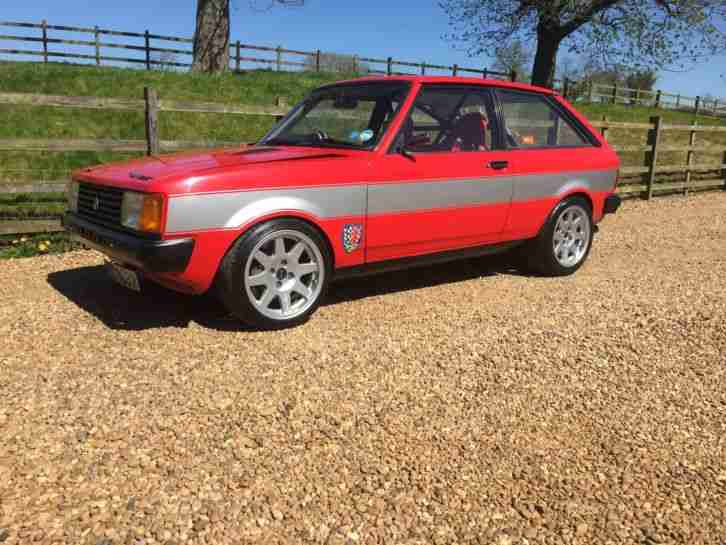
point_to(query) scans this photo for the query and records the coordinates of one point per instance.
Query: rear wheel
(276, 275)
(565, 241)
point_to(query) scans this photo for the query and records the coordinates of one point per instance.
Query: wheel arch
(563, 198)
(308, 219)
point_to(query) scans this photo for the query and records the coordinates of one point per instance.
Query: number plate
(126, 277)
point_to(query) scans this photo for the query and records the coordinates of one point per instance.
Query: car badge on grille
(96, 203)
(352, 237)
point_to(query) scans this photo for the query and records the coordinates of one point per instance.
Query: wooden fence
(616, 94)
(151, 56)
(152, 105)
(655, 185)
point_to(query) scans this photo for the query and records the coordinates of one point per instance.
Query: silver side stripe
(552, 185)
(230, 210)
(408, 197)
(225, 210)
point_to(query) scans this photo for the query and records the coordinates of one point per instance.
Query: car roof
(450, 80)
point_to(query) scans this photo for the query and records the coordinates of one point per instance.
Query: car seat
(469, 133)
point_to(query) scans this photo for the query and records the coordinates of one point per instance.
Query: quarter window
(530, 121)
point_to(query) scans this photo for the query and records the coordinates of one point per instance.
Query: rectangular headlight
(142, 211)
(72, 195)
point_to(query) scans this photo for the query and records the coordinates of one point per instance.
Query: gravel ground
(463, 403)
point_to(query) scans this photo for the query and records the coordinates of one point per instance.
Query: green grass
(255, 87)
(32, 245)
(640, 114)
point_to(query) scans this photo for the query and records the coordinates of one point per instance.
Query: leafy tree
(636, 33)
(513, 57)
(641, 79)
(211, 38)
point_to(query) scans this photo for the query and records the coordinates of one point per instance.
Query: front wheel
(276, 275)
(565, 241)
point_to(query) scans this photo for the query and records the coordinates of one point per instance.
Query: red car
(361, 176)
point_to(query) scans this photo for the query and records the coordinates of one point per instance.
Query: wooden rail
(152, 56)
(617, 94)
(655, 177)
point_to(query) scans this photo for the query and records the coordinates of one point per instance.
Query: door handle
(497, 165)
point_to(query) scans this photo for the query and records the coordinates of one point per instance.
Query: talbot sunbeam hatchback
(362, 176)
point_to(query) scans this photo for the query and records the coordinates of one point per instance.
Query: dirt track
(463, 403)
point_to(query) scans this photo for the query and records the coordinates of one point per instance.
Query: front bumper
(612, 203)
(156, 256)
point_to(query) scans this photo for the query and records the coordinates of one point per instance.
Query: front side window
(530, 121)
(449, 119)
(353, 116)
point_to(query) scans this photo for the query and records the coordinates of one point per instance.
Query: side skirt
(378, 267)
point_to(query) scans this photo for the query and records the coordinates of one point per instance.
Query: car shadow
(92, 289)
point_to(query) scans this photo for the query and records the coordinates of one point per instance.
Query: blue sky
(405, 29)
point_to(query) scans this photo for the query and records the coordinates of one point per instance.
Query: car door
(444, 184)
(553, 157)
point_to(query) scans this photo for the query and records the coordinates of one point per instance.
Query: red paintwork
(387, 236)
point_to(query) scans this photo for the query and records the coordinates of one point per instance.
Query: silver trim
(538, 186)
(406, 197)
(228, 210)
(233, 209)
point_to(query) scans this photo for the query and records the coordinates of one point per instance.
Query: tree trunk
(211, 39)
(545, 60)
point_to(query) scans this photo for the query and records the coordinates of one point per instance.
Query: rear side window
(530, 121)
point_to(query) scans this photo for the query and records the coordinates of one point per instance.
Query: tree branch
(598, 6)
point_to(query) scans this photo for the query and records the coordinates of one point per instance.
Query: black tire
(237, 296)
(539, 254)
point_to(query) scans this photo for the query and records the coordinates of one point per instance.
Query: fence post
(455, 70)
(278, 58)
(98, 45)
(485, 73)
(317, 61)
(280, 102)
(45, 41)
(689, 161)
(148, 53)
(389, 68)
(355, 64)
(237, 55)
(152, 121)
(678, 101)
(655, 139)
(604, 130)
(657, 98)
(590, 91)
(565, 87)
(513, 75)
(423, 68)
(715, 106)
(698, 105)
(615, 93)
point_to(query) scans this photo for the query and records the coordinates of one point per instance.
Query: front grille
(100, 204)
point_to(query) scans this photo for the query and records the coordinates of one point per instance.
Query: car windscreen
(353, 116)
